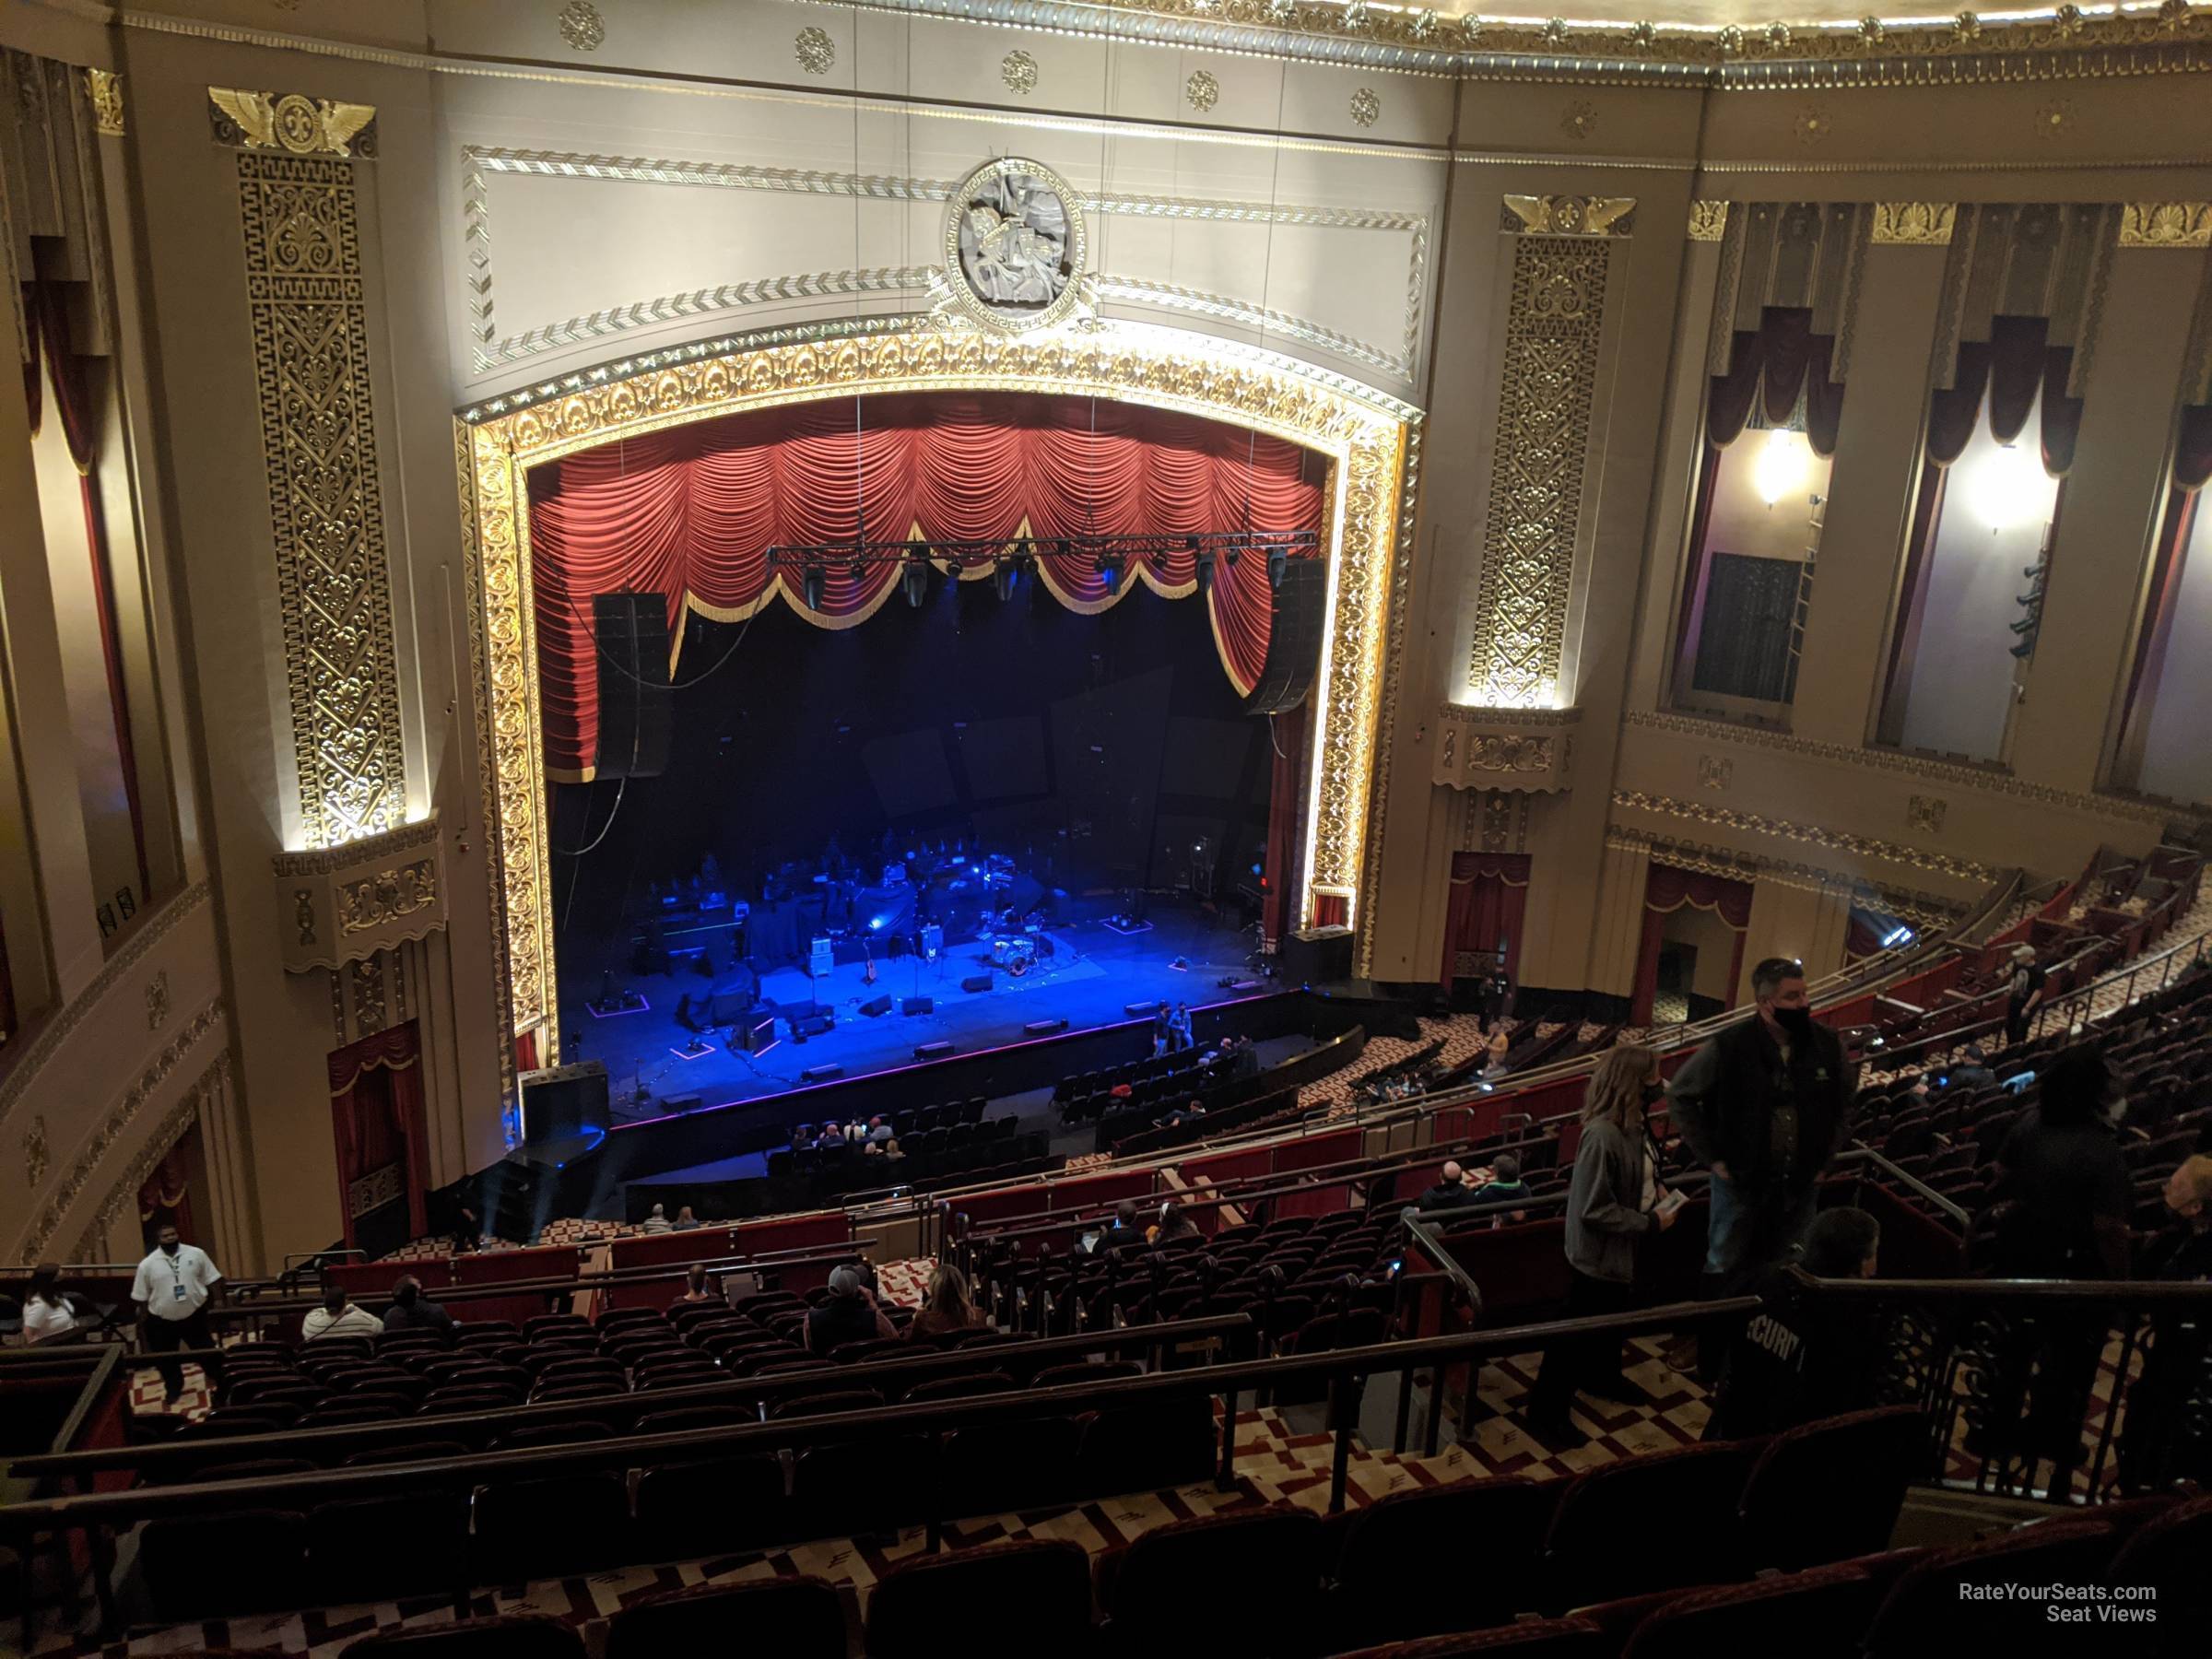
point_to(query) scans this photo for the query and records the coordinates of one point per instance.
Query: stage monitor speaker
(1138, 1010)
(724, 1008)
(635, 708)
(932, 1050)
(814, 1025)
(916, 1005)
(878, 1007)
(976, 981)
(563, 1101)
(1044, 1027)
(1293, 641)
(757, 1031)
(821, 1074)
(676, 1105)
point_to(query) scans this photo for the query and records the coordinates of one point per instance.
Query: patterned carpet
(1281, 1457)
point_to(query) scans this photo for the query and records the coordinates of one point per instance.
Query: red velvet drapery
(1665, 891)
(376, 1117)
(1489, 897)
(165, 1196)
(1771, 367)
(690, 513)
(51, 358)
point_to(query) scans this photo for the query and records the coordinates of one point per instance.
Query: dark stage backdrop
(1095, 749)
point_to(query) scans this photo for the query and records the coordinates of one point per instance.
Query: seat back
(709, 1508)
(1931, 1607)
(2169, 1553)
(541, 1529)
(1545, 1639)
(1830, 1490)
(1186, 1564)
(1404, 1568)
(1814, 1615)
(1005, 1601)
(792, 1617)
(1604, 1542)
(207, 1566)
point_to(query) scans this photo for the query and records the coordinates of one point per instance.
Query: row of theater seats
(1154, 1080)
(1287, 1274)
(1949, 1138)
(994, 1151)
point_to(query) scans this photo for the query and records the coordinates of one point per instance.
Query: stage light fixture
(1278, 563)
(1110, 572)
(810, 584)
(1205, 573)
(858, 572)
(1003, 577)
(915, 581)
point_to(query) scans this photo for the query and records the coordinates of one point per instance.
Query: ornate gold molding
(1504, 749)
(318, 426)
(1567, 216)
(342, 904)
(1555, 321)
(1909, 766)
(2166, 225)
(117, 1122)
(104, 90)
(1840, 841)
(1363, 434)
(1913, 224)
(291, 122)
(1928, 909)
(1708, 221)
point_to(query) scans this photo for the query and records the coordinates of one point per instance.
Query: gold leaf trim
(2166, 225)
(1708, 221)
(291, 122)
(1913, 223)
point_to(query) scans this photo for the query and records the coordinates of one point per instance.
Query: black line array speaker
(917, 1005)
(636, 707)
(876, 1008)
(1293, 639)
(563, 1101)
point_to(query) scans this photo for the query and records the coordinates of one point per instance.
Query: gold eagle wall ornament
(291, 122)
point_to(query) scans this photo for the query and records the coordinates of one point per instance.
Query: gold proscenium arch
(1369, 437)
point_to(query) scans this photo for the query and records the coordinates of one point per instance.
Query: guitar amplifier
(757, 1031)
(821, 958)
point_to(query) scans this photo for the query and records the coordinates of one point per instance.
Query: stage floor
(1094, 973)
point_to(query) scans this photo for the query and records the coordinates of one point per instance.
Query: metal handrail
(1861, 1152)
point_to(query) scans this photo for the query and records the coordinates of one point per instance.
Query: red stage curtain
(1665, 891)
(1489, 897)
(165, 1198)
(75, 406)
(1770, 368)
(691, 514)
(376, 1117)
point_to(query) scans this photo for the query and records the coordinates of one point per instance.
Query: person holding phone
(1614, 1199)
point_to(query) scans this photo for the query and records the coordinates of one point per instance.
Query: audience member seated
(1797, 1358)
(848, 1313)
(1449, 1192)
(684, 1220)
(338, 1316)
(1971, 1072)
(696, 1287)
(879, 1132)
(1174, 1223)
(1504, 1187)
(1125, 1228)
(46, 1311)
(947, 1308)
(656, 1222)
(411, 1310)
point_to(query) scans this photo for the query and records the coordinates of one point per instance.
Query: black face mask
(1797, 1022)
(1653, 1093)
(169, 1247)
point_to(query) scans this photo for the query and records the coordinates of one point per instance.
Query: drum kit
(1016, 954)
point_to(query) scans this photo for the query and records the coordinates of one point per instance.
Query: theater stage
(1094, 973)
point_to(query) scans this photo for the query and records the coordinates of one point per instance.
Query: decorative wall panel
(2041, 259)
(345, 904)
(1553, 328)
(1800, 254)
(310, 351)
(1504, 749)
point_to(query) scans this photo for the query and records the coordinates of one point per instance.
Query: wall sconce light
(2008, 487)
(1783, 467)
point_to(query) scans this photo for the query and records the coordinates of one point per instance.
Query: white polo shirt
(175, 1286)
(353, 1321)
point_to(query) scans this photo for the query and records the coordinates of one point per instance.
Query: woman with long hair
(1613, 1200)
(46, 1311)
(947, 1307)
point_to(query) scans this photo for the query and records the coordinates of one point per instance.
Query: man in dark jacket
(412, 1310)
(1800, 1359)
(1765, 1105)
(1450, 1191)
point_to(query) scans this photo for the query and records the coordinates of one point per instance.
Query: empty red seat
(1403, 1568)
(1149, 1590)
(507, 1636)
(1664, 1521)
(1005, 1601)
(1816, 1614)
(1830, 1490)
(1930, 1609)
(790, 1617)
(1546, 1639)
